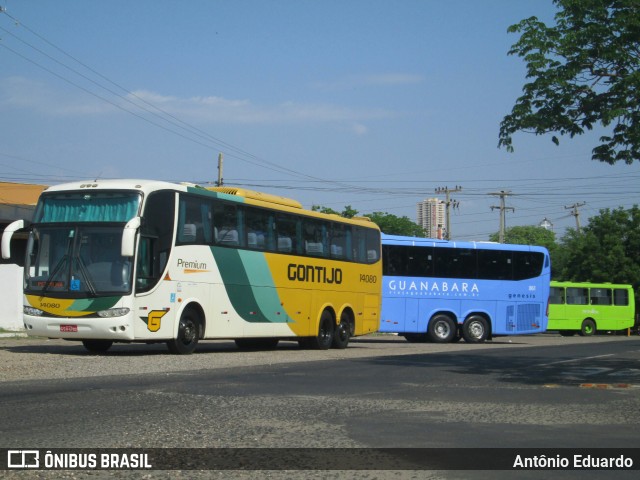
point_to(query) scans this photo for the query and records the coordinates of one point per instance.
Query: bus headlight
(113, 312)
(28, 310)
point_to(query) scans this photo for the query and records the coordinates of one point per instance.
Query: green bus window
(620, 297)
(577, 296)
(556, 296)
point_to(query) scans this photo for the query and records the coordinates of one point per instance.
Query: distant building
(17, 201)
(432, 217)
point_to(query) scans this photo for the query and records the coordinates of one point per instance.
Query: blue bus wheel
(442, 329)
(475, 329)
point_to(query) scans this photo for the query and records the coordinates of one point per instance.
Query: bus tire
(342, 332)
(324, 339)
(188, 335)
(442, 329)
(97, 346)
(588, 328)
(475, 329)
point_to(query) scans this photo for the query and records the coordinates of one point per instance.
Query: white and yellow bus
(148, 261)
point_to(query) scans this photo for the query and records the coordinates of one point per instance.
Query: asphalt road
(542, 391)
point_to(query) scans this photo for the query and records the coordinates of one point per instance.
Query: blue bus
(441, 291)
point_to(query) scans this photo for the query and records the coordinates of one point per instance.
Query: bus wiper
(87, 276)
(54, 272)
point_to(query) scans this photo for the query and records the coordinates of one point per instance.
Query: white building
(432, 217)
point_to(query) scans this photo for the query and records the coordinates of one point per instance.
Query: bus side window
(577, 296)
(226, 223)
(556, 296)
(338, 241)
(314, 234)
(600, 296)
(620, 297)
(287, 234)
(257, 225)
(366, 245)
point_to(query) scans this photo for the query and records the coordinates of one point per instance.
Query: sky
(372, 104)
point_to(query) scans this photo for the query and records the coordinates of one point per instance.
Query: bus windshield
(77, 260)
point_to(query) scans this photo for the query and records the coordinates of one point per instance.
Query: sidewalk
(13, 334)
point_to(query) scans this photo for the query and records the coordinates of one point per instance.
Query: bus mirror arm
(8, 234)
(129, 237)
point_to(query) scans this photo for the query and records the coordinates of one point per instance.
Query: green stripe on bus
(255, 298)
(93, 304)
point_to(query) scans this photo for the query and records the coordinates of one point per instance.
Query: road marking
(573, 360)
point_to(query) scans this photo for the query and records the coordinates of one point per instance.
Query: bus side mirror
(8, 234)
(129, 237)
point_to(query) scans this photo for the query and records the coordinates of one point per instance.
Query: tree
(348, 211)
(606, 250)
(584, 71)
(394, 225)
(528, 235)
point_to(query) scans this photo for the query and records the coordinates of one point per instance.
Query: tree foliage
(394, 225)
(606, 250)
(348, 211)
(527, 235)
(583, 71)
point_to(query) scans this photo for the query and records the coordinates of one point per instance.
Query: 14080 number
(368, 278)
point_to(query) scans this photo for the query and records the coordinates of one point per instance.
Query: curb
(13, 335)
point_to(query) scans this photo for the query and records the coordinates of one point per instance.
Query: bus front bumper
(116, 328)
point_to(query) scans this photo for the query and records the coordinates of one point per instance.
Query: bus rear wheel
(97, 346)
(588, 328)
(442, 329)
(475, 329)
(188, 335)
(342, 332)
(325, 336)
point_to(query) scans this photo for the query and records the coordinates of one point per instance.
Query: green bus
(586, 308)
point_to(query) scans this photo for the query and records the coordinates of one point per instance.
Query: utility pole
(502, 194)
(447, 204)
(576, 213)
(219, 182)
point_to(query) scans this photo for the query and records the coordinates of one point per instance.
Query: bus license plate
(68, 328)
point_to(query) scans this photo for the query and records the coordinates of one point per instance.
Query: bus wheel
(588, 328)
(325, 333)
(188, 335)
(441, 329)
(97, 346)
(342, 332)
(475, 329)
